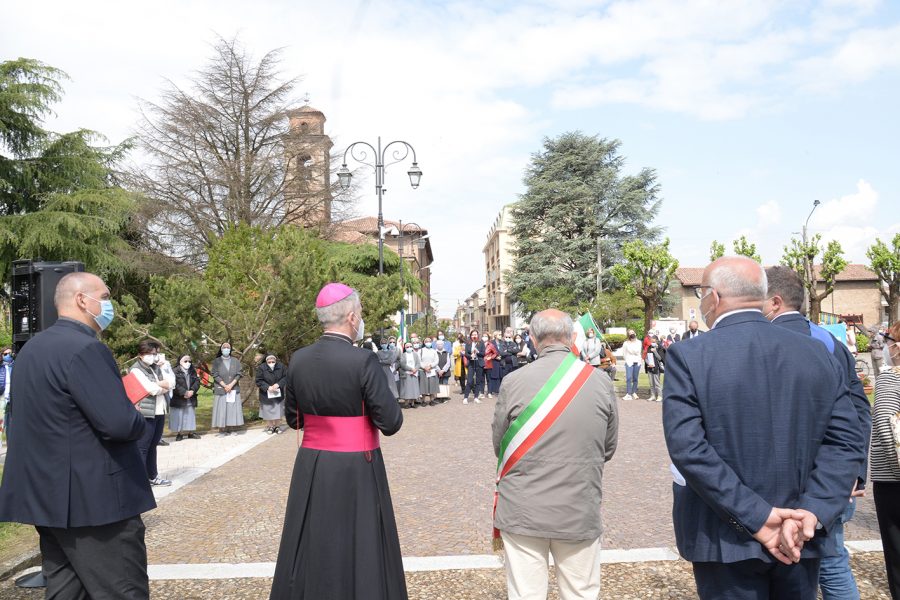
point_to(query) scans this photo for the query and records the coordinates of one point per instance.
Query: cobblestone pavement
(441, 468)
(629, 581)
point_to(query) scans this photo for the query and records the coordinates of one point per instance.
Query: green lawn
(15, 538)
(643, 382)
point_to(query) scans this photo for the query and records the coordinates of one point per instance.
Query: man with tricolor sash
(555, 426)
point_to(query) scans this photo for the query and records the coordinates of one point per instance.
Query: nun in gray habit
(227, 411)
(387, 358)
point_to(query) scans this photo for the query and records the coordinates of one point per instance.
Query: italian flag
(585, 322)
(540, 414)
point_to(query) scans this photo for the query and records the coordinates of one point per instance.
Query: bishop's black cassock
(340, 538)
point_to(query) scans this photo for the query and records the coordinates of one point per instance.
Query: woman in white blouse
(631, 351)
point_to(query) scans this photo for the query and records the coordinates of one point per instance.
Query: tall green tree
(802, 259)
(716, 250)
(578, 206)
(647, 271)
(59, 197)
(742, 247)
(885, 261)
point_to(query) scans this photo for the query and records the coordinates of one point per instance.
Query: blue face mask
(226, 351)
(428, 344)
(107, 312)
(7, 358)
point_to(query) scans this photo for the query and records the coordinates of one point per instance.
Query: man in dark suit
(692, 331)
(73, 469)
(475, 383)
(784, 307)
(765, 444)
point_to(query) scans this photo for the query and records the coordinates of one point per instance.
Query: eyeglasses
(7, 354)
(698, 291)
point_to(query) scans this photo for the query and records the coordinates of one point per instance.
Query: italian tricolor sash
(537, 418)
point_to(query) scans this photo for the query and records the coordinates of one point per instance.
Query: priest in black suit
(340, 538)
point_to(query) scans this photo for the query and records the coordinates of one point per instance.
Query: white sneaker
(477, 401)
(626, 397)
(659, 398)
(651, 399)
(490, 395)
(466, 400)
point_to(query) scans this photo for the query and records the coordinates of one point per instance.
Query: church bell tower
(308, 186)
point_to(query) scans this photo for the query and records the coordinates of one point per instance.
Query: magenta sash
(339, 434)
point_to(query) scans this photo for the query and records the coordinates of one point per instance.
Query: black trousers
(474, 381)
(96, 563)
(757, 580)
(148, 442)
(887, 508)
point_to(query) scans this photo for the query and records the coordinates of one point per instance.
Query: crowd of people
(765, 476)
(419, 371)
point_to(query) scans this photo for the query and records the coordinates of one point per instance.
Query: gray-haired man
(551, 465)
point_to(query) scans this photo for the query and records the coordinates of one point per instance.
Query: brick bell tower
(307, 155)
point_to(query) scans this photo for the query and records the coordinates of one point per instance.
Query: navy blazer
(800, 324)
(73, 459)
(756, 416)
(479, 348)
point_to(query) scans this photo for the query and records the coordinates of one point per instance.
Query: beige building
(472, 313)
(498, 261)
(414, 242)
(308, 177)
(855, 293)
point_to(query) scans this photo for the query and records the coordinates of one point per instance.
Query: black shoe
(193, 436)
(179, 437)
(162, 442)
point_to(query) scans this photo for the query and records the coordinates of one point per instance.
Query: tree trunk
(649, 309)
(893, 308)
(815, 307)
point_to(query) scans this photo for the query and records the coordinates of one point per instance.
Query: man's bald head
(736, 282)
(78, 297)
(551, 326)
(73, 283)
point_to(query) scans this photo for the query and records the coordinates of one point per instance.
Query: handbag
(443, 390)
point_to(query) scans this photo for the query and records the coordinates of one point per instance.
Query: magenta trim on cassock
(339, 434)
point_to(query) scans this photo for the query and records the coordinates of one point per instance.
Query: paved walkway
(218, 536)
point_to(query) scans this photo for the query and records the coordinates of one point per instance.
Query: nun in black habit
(340, 538)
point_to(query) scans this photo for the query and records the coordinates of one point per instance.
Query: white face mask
(186, 365)
(271, 366)
(149, 359)
(360, 330)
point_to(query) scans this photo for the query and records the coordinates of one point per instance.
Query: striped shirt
(883, 457)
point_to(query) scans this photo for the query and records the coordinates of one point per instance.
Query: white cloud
(768, 214)
(853, 209)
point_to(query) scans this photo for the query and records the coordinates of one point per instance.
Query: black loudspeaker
(33, 286)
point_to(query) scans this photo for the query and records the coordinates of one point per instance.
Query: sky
(748, 110)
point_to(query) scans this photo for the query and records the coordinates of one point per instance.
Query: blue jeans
(835, 578)
(631, 378)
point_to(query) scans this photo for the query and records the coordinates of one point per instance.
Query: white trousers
(527, 567)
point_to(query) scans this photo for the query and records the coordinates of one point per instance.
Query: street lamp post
(807, 266)
(428, 296)
(358, 152)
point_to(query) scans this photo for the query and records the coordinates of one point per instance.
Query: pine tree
(578, 204)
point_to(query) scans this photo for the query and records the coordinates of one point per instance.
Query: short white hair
(550, 327)
(733, 283)
(335, 313)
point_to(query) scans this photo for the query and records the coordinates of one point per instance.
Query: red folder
(134, 389)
